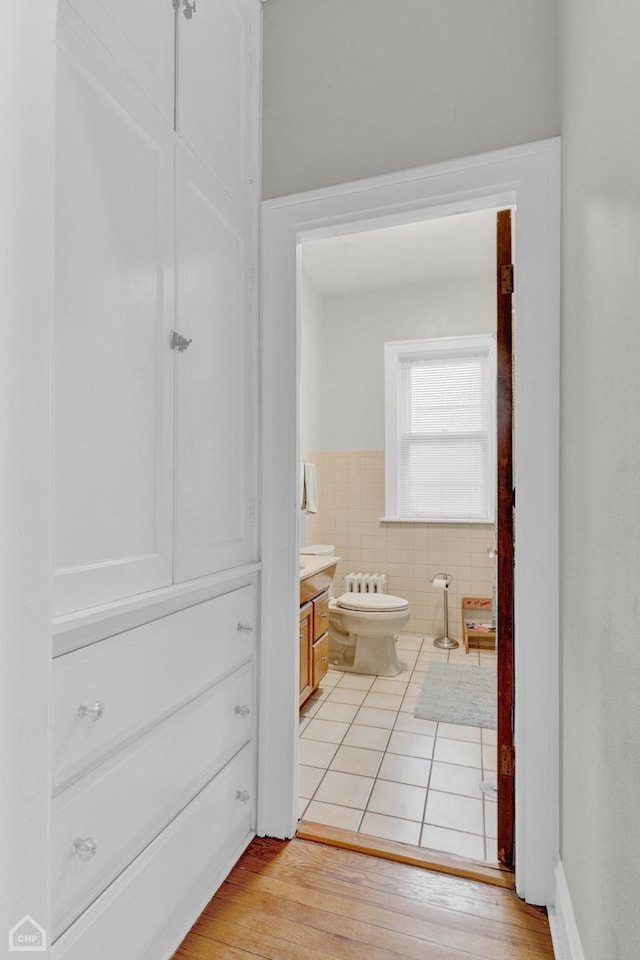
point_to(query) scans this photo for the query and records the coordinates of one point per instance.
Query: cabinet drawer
(107, 692)
(127, 801)
(320, 659)
(320, 616)
(150, 906)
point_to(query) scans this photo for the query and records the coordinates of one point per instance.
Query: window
(440, 430)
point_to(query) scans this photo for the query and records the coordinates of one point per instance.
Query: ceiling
(413, 253)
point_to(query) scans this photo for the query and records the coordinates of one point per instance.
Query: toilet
(362, 632)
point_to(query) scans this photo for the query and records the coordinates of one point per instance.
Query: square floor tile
(490, 819)
(342, 694)
(331, 731)
(492, 850)
(385, 701)
(302, 806)
(458, 731)
(346, 789)
(331, 677)
(407, 723)
(373, 738)
(454, 751)
(489, 757)
(407, 659)
(356, 681)
(404, 676)
(427, 656)
(391, 828)
(310, 708)
(382, 685)
(408, 641)
(451, 841)
(397, 800)
(409, 704)
(489, 664)
(455, 812)
(302, 723)
(333, 815)
(453, 778)
(374, 717)
(308, 780)
(343, 712)
(357, 760)
(410, 744)
(315, 753)
(412, 770)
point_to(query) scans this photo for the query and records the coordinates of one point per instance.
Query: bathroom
(429, 280)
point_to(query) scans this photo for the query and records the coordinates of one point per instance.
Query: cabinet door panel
(113, 374)
(214, 89)
(214, 462)
(139, 36)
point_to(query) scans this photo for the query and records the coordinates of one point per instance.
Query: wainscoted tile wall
(351, 502)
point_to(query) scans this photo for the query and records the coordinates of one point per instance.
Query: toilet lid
(385, 602)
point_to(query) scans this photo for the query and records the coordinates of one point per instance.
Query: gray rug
(458, 693)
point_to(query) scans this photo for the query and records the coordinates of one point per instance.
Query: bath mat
(458, 693)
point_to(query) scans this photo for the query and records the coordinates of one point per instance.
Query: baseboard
(564, 929)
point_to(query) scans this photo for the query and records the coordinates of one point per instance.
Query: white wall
(354, 88)
(600, 833)
(356, 327)
(311, 365)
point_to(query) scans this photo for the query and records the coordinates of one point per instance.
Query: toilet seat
(371, 602)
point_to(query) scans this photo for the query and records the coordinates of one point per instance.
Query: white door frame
(526, 177)
(27, 171)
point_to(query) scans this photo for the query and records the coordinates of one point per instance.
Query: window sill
(486, 520)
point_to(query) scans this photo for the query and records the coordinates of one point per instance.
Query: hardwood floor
(301, 900)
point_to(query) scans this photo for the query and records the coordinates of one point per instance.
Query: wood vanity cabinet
(314, 643)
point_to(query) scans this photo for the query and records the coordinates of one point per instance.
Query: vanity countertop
(316, 575)
(310, 565)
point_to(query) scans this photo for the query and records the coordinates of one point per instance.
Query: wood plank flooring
(301, 900)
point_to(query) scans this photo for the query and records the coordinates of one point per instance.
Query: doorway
(526, 178)
(423, 293)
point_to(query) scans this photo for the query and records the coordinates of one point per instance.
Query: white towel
(310, 489)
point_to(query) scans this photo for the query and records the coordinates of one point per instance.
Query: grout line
(386, 752)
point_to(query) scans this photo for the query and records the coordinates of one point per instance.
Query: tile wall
(351, 502)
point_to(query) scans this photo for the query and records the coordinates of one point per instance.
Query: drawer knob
(91, 711)
(244, 628)
(85, 848)
(243, 796)
(242, 710)
(324, 659)
(324, 616)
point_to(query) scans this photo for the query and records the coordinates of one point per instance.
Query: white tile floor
(367, 764)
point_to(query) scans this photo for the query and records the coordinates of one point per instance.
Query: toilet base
(375, 656)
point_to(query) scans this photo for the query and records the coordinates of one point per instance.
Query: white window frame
(394, 354)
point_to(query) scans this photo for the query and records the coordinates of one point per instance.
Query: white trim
(562, 921)
(526, 177)
(27, 191)
(75, 630)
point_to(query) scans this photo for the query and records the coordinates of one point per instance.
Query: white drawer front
(126, 682)
(151, 905)
(113, 813)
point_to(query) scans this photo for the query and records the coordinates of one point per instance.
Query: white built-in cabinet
(155, 474)
(155, 535)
